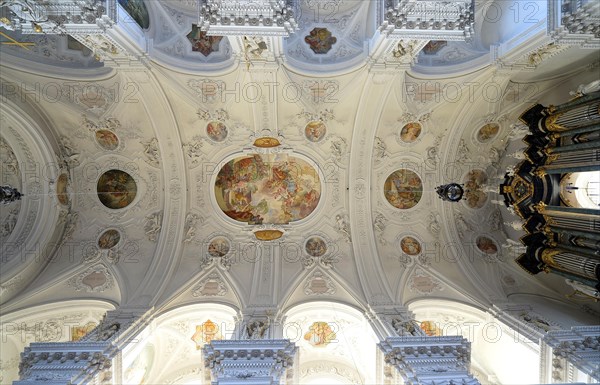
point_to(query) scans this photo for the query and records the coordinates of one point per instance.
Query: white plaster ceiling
(159, 114)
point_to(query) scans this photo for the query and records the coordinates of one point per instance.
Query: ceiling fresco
(255, 174)
(267, 189)
(116, 189)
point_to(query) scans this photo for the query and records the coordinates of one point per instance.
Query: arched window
(581, 189)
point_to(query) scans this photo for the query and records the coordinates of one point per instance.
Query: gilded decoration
(206, 333)
(320, 40)
(78, 332)
(266, 142)
(203, 43)
(61, 189)
(403, 189)
(268, 235)
(320, 334)
(431, 329)
(267, 189)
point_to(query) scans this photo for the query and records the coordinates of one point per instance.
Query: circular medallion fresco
(218, 247)
(216, 131)
(116, 189)
(267, 188)
(61, 189)
(487, 132)
(403, 189)
(109, 239)
(410, 132)
(410, 246)
(315, 131)
(486, 245)
(315, 247)
(108, 140)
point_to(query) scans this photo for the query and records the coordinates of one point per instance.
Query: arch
(31, 139)
(581, 189)
(175, 337)
(333, 333)
(489, 337)
(51, 322)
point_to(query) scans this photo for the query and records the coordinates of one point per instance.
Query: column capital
(251, 361)
(579, 345)
(432, 360)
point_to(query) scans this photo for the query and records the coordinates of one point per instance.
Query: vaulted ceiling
(381, 128)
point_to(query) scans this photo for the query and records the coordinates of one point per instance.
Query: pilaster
(580, 346)
(95, 359)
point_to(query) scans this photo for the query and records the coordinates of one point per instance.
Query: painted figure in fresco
(116, 189)
(109, 239)
(487, 132)
(487, 245)
(217, 131)
(107, 139)
(315, 131)
(403, 189)
(410, 132)
(320, 40)
(434, 46)
(320, 334)
(315, 247)
(218, 247)
(475, 197)
(410, 246)
(279, 190)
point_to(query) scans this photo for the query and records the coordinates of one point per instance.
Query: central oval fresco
(267, 189)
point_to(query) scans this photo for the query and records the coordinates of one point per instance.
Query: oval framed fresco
(474, 194)
(403, 189)
(116, 189)
(315, 247)
(315, 130)
(106, 139)
(410, 246)
(410, 132)
(109, 239)
(487, 132)
(219, 247)
(61, 189)
(486, 245)
(216, 131)
(267, 189)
